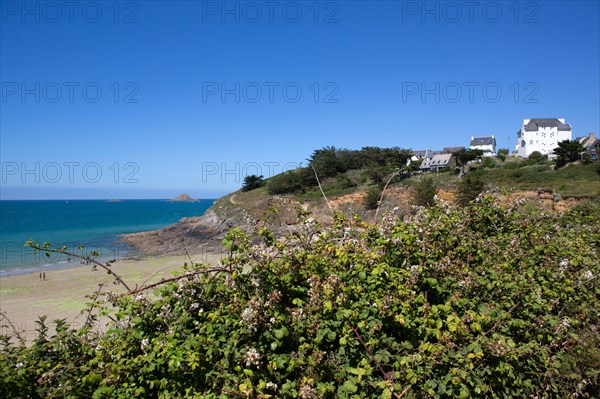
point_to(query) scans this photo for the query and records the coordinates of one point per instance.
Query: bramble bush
(447, 302)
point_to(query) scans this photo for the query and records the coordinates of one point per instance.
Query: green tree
(293, 181)
(424, 192)
(502, 154)
(377, 174)
(536, 157)
(326, 162)
(488, 162)
(464, 156)
(252, 182)
(372, 198)
(469, 188)
(566, 152)
(414, 166)
(344, 181)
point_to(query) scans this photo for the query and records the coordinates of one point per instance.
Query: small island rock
(184, 198)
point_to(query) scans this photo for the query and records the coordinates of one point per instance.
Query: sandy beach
(62, 295)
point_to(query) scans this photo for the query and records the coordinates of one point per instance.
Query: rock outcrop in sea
(184, 198)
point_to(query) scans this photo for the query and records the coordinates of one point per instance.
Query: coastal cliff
(280, 214)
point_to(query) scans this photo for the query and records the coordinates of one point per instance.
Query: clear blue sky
(164, 122)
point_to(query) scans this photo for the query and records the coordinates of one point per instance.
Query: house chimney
(592, 136)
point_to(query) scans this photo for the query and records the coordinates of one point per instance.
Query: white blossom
(588, 275)
(307, 392)
(251, 357)
(271, 386)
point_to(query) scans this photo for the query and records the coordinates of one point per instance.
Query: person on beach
(44, 275)
(40, 276)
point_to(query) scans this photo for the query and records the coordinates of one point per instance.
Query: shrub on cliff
(567, 152)
(469, 187)
(293, 181)
(373, 197)
(424, 191)
(449, 302)
(252, 182)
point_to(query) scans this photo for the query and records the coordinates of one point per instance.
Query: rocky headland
(280, 214)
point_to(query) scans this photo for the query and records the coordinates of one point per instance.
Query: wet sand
(62, 295)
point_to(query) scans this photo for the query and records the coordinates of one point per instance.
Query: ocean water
(96, 224)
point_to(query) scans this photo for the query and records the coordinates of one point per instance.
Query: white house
(486, 144)
(543, 135)
(421, 155)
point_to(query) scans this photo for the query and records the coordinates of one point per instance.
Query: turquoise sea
(96, 224)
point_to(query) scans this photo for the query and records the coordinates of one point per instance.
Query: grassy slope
(515, 174)
(573, 180)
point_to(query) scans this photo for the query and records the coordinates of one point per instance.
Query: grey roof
(437, 160)
(536, 123)
(490, 140)
(425, 153)
(451, 150)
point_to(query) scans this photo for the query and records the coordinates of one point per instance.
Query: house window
(544, 134)
(530, 142)
(551, 134)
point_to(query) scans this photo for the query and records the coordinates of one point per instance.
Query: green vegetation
(572, 180)
(537, 157)
(330, 162)
(252, 182)
(293, 181)
(469, 188)
(568, 151)
(465, 156)
(372, 198)
(424, 191)
(478, 302)
(502, 154)
(346, 171)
